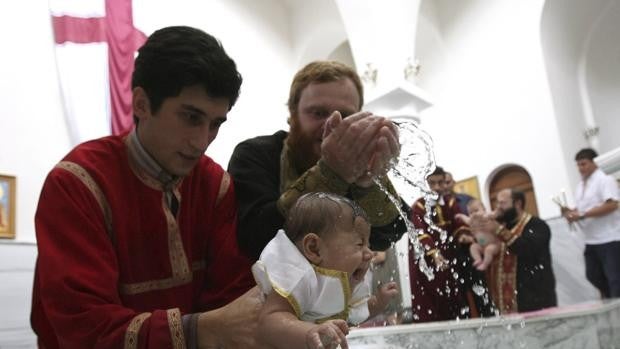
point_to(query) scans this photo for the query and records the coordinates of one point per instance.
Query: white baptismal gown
(316, 294)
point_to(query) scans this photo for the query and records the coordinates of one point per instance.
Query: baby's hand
(378, 257)
(462, 217)
(465, 239)
(385, 293)
(328, 335)
(440, 262)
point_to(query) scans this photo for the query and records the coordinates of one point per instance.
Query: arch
(319, 44)
(343, 54)
(515, 177)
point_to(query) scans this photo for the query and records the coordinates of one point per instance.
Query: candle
(564, 202)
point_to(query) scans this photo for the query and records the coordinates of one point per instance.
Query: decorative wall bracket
(370, 75)
(412, 69)
(591, 132)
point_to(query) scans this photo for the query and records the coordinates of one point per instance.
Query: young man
(444, 297)
(599, 218)
(331, 147)
(461, 199)
(136, 233)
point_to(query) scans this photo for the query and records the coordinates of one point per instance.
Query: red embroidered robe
(444, 297)
(115, 267)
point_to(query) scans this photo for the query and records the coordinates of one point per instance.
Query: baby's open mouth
(358, 274)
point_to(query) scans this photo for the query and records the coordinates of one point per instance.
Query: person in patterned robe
(137, 232)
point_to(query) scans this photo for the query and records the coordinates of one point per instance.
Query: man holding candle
(597, 212)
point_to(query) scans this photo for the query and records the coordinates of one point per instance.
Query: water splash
(478, 289)
(412, 232)
(408, 174)
(415, 163)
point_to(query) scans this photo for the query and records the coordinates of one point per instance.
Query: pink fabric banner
(115, 28)
(123, 41)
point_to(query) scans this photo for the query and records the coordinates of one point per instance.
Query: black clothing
(535, 278)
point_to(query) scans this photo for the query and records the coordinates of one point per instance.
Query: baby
(317, 270)
(485, 246)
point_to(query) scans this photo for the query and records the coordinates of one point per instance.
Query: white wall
(580, 48)
(602, 59)
(316, 30)
(16, 272)
(34, 135)
(492, 101)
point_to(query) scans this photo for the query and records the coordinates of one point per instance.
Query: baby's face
(347, 250)
(475, 207)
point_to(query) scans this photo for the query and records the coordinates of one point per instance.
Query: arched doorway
(515, 177)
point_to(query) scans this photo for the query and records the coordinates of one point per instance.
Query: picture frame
(468, 186)
(8, 197)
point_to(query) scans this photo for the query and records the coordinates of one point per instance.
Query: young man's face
(586, 167)
(316, 103)
(347, 250)
(437, 183)
(178, 134)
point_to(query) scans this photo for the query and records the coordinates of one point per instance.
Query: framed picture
(468, 186)
(7, 206)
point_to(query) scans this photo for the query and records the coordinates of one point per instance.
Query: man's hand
(571, 215)
(328, 335)
(232, 326)
(387, 148)
(359, 147)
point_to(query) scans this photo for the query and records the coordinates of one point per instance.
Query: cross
(123, 39)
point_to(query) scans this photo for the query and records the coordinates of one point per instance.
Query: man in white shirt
(599, 218)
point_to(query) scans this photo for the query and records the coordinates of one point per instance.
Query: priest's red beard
(301, 146)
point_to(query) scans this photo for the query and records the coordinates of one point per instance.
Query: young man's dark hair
(586, 153)
(176, 57)
(438, 171)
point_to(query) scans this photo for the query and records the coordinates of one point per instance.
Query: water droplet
(478, 290)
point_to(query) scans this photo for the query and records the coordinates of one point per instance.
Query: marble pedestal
(589, 325)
